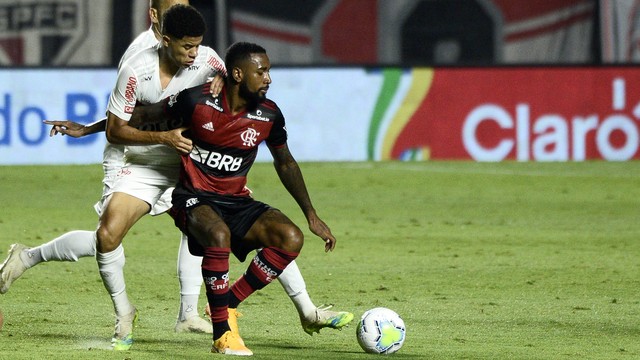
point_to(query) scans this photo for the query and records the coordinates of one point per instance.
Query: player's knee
(106, 239)
(293, 239)
(218, 237)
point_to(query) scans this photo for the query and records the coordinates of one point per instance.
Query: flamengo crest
(249, 137)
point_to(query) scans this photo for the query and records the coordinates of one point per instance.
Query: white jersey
(145, 40)
(113, 155)
(139, 82)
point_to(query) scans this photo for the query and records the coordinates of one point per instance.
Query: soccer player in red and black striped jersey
(211, 204)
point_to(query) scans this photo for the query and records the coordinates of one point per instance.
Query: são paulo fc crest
(41, 32)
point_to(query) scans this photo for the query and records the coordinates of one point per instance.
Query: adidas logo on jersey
(208, 126)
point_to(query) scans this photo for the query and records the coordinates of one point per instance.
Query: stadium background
(487, 80)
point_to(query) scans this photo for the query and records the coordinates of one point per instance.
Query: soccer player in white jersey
(81, 243)
(150, 169)
(76, 244)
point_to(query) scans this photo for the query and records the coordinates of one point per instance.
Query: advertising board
(359, 114)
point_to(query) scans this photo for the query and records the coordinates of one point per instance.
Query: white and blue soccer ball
(381, 331)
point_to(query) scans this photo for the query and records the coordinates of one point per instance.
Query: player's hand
(318, 227)
(65, 127)
(216, 85)
(176, 140)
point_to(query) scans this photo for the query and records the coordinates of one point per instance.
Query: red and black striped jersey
(225, 146)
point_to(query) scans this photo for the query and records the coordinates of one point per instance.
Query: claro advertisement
(357, 114)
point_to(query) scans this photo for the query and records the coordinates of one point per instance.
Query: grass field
(482, 261)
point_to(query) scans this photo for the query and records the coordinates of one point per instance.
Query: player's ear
(165, 40)
(153, 15)
(236, 73)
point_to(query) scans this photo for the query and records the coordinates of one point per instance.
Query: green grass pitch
(482, 260)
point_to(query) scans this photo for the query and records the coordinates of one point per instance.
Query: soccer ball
(381, 331)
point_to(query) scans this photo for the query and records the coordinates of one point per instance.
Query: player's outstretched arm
(142, 115)
(74, 129)
(291, 177)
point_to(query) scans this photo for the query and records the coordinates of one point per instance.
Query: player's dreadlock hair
(241, 51)
(183, 20)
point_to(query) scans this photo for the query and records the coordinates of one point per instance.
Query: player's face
(183, 52)
(256, 77)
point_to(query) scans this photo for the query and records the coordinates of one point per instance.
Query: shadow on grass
(328, 352)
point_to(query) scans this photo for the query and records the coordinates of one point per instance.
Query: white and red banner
(81, 32)
(373, 31)
(549, 31)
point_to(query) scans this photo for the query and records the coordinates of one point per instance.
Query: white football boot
(194, 324)
(322, 317)
(122, 339)
(12, 268)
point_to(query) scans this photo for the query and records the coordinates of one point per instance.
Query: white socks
(68, 247)
(293, 283)
(81, 243)
(111, 266)
(190, 278)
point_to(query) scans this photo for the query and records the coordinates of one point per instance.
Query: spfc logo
(41, 32)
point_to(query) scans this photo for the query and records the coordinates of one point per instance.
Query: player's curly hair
(241, 51)
(183, 20)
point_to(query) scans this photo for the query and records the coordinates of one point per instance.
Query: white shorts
(160, 207)
(107, 186)
(163, 204)
(152, 185)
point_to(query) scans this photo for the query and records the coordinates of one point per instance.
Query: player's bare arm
(74, 129)
(143, 117)
(120, 132)
(291, 177)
